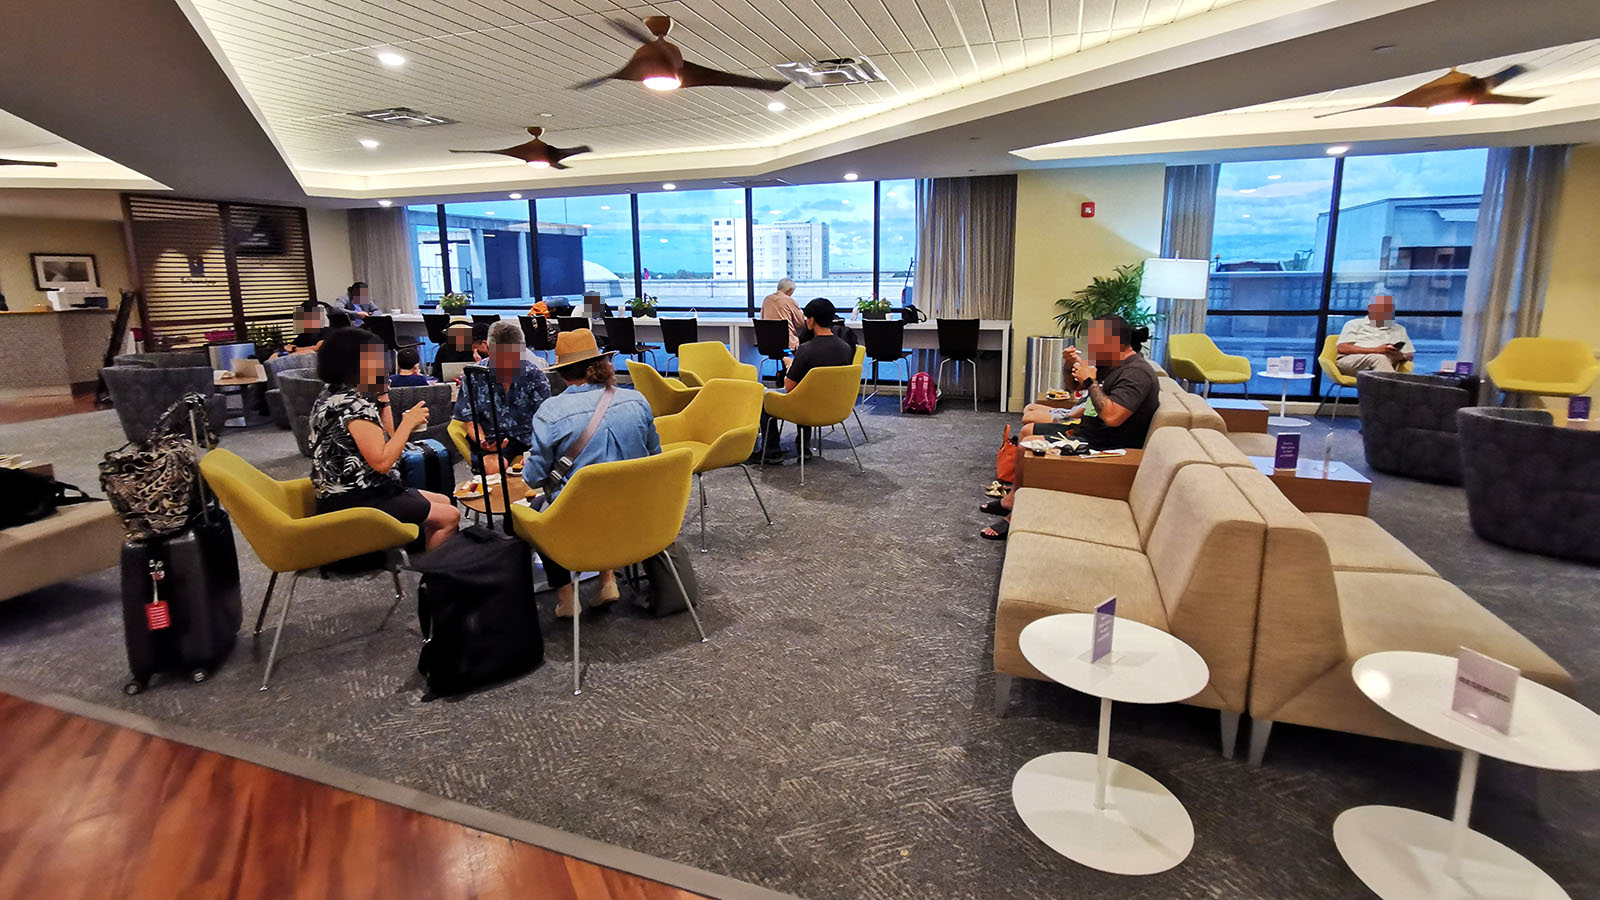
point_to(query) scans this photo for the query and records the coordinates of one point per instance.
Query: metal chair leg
(283, 615)
(687, 600)
(265, 602)
(905, 382)
(700, 479)
(853, 452)
(938, 380)
(974, 385)
(802, 453)
(757, 491)
(860, 426)
(577, 661)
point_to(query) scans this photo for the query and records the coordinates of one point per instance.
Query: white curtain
(1511, 250)
(1191, 206)
(966, 246)
(382, 255)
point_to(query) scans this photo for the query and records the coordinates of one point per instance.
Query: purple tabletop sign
(1463, 368)
(1299, 367)
(1485, 689)
(1578, 408)
(1288, 456)
(1105, 617)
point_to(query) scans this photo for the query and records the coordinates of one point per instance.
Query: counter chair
(720, 427)
(958, 343)
(885, 342)
(620, 336)
(772, 342)
(677, 332)
(637, 504)
(536, 335)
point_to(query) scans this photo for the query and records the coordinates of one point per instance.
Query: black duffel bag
(480, 625)
(26, 497)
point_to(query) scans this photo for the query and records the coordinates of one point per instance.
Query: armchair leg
(577, 660)
(853, 452)
(283, 615)
(863, 428)
(1230, 733)
(757, 491)
(1003, 685)
(700, 479)
(1207, 394)
(265, 602)
(938, 379)
(1260, 730)
(687, 600)
(974, 385)
(802, 452)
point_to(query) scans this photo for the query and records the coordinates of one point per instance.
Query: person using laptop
(408, 369)
(310, 323)
(1376, 343)
(357, 301)
(498, 410)
(457, 348)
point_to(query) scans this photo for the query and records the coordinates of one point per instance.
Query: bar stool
(572, 323)
(485, 319)
(885, 342)
(436, 323)
(958, 343)
(772, 342)
(677, 332)
(536, 334)
(620, 337)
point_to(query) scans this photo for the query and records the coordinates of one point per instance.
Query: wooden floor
(89, 810)
(29, 409)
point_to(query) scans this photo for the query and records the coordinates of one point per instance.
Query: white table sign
(1485, 689)
(1105, 619)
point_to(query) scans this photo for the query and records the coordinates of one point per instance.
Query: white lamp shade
(1176, 279)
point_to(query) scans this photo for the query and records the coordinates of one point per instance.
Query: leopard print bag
(154, 485)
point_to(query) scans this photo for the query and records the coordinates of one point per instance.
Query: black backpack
(26, 497)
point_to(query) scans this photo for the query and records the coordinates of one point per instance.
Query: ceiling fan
(1453, 91)
(659, 64)
(24, 162)
(536, 152)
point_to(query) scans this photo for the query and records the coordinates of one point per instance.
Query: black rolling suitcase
(181, 609)
(475, 604)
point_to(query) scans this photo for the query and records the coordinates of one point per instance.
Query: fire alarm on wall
(1087, 210)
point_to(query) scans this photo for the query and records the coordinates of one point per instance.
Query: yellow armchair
(457, 430)
(1195, 357)
(825, 396)
(720, 429)
(278, 520)
(666, 396)
(702, 361)
(1547, 367)
(637, 505)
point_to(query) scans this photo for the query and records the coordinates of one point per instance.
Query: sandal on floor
(994, 490)
(992, 508)
(998, 530)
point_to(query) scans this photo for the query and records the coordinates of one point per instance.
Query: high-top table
(1089, 807)
(1403, 853)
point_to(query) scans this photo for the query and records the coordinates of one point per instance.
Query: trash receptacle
(1042, 370)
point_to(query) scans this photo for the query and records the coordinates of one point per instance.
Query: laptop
(452, 370)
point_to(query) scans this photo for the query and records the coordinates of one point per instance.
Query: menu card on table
(1105, 618)
(1299, 367)
(1463, 368)
(1577, 409)
(1274, 366)
(1288, 455)
(1485, 689)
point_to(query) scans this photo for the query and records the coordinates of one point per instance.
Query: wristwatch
(1087, 382)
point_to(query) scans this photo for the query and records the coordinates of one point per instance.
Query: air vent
(831, 72)
(758, 182)
(404, 117)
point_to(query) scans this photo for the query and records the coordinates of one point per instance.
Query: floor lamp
(1178, 280)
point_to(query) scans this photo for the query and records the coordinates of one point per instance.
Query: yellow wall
(1058, 252)
(20, 237)
(329, 231)
(1572, 299)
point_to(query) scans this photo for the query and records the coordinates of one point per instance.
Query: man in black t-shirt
(823, 348)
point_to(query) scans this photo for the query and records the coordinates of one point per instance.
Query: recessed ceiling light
(516, 196)
(663, 240)
(539, 163)
(1273, 177)
(1445, 109)
(851, 176)
(1383, 48)
(488, 212)
(669, 186)
(385, 202)
(587, 225)
(605, 207)
(1338, 150)
(1245, 216)
(845, 202)
(1247, 190)
(545, 115)
(777, 106)
(369, 143)
(391, 58)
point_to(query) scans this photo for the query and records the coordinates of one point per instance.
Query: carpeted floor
(835, 738)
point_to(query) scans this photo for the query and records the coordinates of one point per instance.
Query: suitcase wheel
(199, 675)
(134, 686)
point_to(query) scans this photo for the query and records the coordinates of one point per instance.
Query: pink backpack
(921, 396)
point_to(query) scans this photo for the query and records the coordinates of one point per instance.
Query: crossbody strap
(563, 466)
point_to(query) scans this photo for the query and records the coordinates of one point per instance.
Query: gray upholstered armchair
(1408, 425)
(171, 359)
(437, 396)
(141, 394)
(300, 388)
(1531, 485)
(274, 368)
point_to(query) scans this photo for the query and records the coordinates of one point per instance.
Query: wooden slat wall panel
(270, 285)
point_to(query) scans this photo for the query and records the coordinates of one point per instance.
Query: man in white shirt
(1376, 343)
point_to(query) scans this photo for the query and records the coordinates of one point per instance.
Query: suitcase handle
(494, 414)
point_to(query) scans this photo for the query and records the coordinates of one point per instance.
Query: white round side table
(1405, 853)
(1282, 418)
(1088, 807)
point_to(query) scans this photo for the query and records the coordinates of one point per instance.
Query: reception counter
(47, 351)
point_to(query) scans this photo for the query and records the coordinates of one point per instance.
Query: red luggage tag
(156, 614)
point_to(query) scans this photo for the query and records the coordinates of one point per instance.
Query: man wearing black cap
(824, 348)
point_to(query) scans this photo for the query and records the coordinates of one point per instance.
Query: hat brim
(582, 357)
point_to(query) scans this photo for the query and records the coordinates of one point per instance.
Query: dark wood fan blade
(696, 75)
(26, 162)
(1508, 98)
(524, 151)
(632, 30)
(560, 153)
(595, 82)
(1503, 76)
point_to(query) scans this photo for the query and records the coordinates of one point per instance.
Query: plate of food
(467, 490)
(515, 468)
(1057, 394)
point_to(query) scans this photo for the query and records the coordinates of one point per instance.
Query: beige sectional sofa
(72, 542)
(1278, 602)
(1182, 409)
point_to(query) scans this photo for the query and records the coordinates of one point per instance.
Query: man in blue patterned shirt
(519, 389)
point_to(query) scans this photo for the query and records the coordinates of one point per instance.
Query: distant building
(782, 249)
(1407, 233)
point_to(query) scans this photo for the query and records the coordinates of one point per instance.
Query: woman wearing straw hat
(626, 431)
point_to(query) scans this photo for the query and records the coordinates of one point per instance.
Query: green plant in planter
(455, 303)
(1115, 295)
(873, 307)
(643, 306)
(266, 336)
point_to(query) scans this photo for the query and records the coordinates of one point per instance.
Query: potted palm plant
(455, 303)
(1117, 294)
(873, 307)
(642, 307)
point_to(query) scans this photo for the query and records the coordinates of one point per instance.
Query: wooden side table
(1340, 490)
(1096, 476)
(1248, 416)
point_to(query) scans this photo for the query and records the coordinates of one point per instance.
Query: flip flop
(992, 508)
(995, 491)
(999, 528)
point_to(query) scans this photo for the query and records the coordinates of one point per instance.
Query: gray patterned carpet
(835, 738)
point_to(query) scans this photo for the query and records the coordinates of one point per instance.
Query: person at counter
(357, 301)
(780, 305)
(310, 324)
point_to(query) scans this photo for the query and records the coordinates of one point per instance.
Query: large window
(1404, 227)
(820, 235)
(692, 253)
(488, 243)
(423, 224)
(897, 240)
(586, 245)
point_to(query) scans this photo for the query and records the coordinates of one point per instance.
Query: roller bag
(425, 465)
(181, 610)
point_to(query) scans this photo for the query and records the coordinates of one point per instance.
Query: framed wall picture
(68, 271)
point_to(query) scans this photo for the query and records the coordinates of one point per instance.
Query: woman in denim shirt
(626, 431)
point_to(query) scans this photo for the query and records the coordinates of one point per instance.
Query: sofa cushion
(1170, 413)
(1168, 385)
(74, 540)
(1254, 444)
(1045, 575)
(1167, 451)
(1076, 516)
(1358, 544)
(1201, 415)
(1222, 451)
